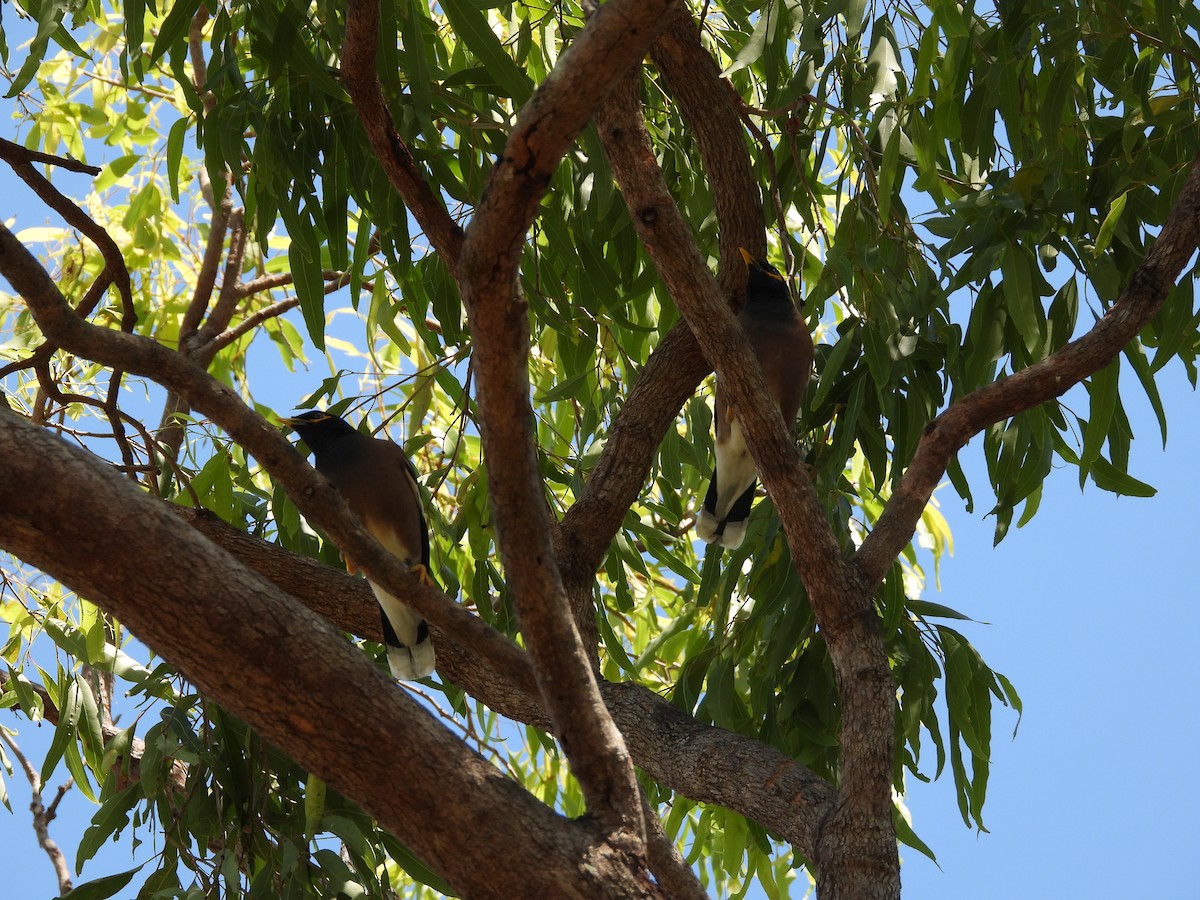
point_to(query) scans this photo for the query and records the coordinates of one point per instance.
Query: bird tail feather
(409, 647)
(731, 530)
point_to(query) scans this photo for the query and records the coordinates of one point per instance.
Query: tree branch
(114, 262)
(14, 153)
(277, 665)
(1044, 380)
(360, 75)
(613, 41)
(206, 275)
(676, 365)
(702, 762)
(707, 103)
(841, 603)
(666, 862)
(313, 495)
(43, 815)
(223, 339)
(229, 296)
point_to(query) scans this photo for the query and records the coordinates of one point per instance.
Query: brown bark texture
(255, 627)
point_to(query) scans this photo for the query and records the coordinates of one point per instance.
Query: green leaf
(29, 699)
(49, 18)
(175, 140)
(111, 819)
(471, 25)
(413, 866)
(909, 837)
(565, 389)
(890, 172)
(135, 31)
(1109, 225)
(936, 610)
(1108, 477)
(173, 28)
(314, 805)
(417, 63)
(1136, 354)
(64, 732)
(1104, 391)
(856, 17)
(73, 759)
(112, 172)
(304, 258)
(1019, 297)
(834, 364)
(349, 832)
(89, 725)
(613, 645)
(102, 888)
(116, 749)
(752, 50)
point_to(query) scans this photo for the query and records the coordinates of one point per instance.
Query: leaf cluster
(951, 191)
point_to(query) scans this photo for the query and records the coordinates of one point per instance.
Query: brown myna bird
(379, 484)
(784, 348)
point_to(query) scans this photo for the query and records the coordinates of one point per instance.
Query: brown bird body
(781, 341)
(379, 484)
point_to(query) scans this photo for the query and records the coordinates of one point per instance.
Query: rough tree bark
(224, 608)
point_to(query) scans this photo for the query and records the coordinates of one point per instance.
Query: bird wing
(784, 349)
(785, 352)
(382, 491)
(735, 471)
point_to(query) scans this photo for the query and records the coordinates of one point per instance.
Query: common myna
(784, 348)
(379, 484)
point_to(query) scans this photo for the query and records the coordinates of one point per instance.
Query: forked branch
(1044, 380)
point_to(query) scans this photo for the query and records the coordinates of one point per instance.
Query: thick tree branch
(361, 78)
(666, 861)
(707, 103)
(275, 664)
(477, 658)
(676, 365)
(614, 40)
(313, 495)
(1042, 381)
(669, 241)
(701, 762)
(840, 601)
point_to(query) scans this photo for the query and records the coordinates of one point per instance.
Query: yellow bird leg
(422, 574)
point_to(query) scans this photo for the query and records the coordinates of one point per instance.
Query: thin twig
(42, 815)
(11, 152)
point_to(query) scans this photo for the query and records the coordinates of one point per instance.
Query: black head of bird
(379, 484)
(779, 338)
(320, 430)
(763, 281)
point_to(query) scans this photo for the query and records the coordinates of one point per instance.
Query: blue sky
(1093, 615)
(1091, 611)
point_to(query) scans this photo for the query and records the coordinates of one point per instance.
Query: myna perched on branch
(784, 348)
(379, 484)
